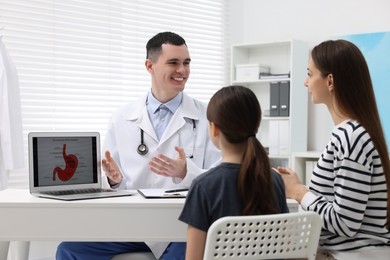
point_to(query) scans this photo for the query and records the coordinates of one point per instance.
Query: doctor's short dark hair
(153, 46)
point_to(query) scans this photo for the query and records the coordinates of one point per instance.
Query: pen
(176, 190)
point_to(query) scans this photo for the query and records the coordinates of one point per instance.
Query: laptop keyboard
(83, 191)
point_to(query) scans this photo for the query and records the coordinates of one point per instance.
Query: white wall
(309, 20)
(312, 21)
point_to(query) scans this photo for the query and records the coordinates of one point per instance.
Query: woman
(243, 184)
(350, 185)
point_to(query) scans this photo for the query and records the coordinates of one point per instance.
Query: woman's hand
(294, 188)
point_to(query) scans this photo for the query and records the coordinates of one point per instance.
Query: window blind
(79, 60)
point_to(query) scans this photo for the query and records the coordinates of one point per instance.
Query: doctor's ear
(149, 65)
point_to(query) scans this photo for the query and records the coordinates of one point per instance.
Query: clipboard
(162, 194)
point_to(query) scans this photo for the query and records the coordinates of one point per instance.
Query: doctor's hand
(111, 169)
(165, 166)
(294, 188)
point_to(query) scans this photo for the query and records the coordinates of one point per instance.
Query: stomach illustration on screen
(71, 163)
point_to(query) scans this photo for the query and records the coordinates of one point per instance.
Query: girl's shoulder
(219, 172)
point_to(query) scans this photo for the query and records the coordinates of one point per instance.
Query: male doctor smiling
(160, 141)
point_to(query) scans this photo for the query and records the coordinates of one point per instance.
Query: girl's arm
(196, 240)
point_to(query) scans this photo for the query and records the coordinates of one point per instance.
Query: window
(79, 60)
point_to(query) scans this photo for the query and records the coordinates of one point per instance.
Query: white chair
(289, 235)
(134, 256)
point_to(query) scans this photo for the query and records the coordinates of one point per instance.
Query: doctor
(159, 141)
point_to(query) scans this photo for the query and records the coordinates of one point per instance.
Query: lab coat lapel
(141, 118)
(177, 122)
(187, 109)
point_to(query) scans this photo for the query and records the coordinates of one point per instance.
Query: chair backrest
(289, 235)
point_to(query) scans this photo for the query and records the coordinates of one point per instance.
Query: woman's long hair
(237, 113)
(354, 92)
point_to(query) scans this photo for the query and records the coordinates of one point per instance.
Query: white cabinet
(282, 135)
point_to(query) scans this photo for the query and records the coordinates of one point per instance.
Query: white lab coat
(11, 134)
(124, 136)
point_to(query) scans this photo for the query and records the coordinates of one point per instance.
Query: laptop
(67, 166)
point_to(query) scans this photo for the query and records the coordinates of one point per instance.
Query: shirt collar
(153, 104)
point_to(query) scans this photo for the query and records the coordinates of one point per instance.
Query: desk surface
(22, 197)
(131, 218)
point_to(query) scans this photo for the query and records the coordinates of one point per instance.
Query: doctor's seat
(135, 256)
(276, 236)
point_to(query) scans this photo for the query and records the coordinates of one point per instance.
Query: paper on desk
(161, 194)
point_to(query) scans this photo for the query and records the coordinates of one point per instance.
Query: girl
(243, 184)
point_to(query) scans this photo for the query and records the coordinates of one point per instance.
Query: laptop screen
(61, 159)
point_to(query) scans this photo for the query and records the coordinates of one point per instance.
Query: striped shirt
(348, 189)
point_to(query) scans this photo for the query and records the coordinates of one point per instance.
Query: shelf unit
(281, 57)
(299, 164)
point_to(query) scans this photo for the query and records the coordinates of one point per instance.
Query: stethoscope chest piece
(142, 149)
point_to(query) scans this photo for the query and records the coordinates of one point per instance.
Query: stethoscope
(143, 149)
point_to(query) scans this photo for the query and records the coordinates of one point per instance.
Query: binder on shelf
(283, 137)
(284, 98)
(280, 98)
(279, 137)
(274, 99)
(273, 138)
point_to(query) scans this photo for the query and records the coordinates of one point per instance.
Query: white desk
(131, 218)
